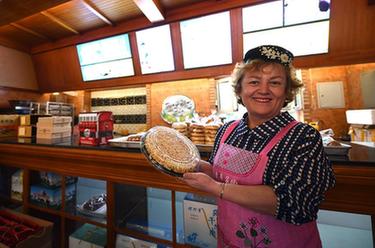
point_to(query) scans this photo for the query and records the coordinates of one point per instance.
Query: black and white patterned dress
(297, 169)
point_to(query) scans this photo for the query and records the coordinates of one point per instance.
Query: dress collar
(268, 128)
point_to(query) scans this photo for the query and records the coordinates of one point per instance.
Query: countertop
(357, 154)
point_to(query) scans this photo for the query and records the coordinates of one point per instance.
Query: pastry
(167, 149)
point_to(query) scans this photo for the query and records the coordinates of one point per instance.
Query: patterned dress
(297, 167)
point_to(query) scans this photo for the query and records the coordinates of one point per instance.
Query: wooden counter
(354, 191)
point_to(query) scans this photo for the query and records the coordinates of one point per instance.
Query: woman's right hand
(203, 182)
(205, 167)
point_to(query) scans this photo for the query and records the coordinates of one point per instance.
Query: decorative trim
(127, 100)
(129, 119)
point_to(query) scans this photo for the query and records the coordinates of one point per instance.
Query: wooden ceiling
(28, 23)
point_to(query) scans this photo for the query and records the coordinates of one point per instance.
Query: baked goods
(170, 151)
(135, 137)
(334, 143)
(196, 133)
(210, 131)
(181, 127)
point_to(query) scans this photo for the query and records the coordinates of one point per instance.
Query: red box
(95, 128)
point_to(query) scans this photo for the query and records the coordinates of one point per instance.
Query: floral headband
(270, 53)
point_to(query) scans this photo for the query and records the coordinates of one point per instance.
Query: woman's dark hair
(292, 83)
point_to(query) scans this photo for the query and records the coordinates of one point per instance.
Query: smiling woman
(263, 92)
(257, 160)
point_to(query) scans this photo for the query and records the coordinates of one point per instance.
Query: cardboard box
(123, 241)
(54, 132)
(200, 222)
(51, 197)
(365, 133)
(9, 125)
(9, 120)
(54, 127)
(55, 121)
(42, 239)
(29, 120)
(60, 141)
(88, 236)
(26, 131)
(361, 116)
(17, 185)
(95, 128)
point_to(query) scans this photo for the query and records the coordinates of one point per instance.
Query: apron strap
(278, 137)
(229, 130)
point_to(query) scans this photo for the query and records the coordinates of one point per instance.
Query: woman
(269, 171)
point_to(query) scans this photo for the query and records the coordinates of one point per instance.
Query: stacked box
(95, 128)
(9, 125)
(17, 185)
(200, 222)
(55, 127)
(27, 126)
(364, 133)
(26, 131)
(360, 116)
(88, 236)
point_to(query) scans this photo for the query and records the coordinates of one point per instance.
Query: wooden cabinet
(58, 70)
(127, 175)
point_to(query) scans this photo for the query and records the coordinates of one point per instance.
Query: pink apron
(242, 227)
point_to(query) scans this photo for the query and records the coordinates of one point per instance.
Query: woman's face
(263, 92)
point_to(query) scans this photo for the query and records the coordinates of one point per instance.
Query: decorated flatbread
(170, 151)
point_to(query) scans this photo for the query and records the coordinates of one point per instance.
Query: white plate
(177, 108)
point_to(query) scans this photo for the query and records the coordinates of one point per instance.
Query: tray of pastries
(337, 148)
(170, 151)
(130, 141)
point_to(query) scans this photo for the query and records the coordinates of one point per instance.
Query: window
(226, 98)
(106, 58)
(155, 49)
(297, 25)
(206, 41)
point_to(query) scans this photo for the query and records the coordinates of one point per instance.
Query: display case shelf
(127, 173)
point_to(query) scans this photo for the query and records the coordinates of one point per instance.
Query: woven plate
(169, 151)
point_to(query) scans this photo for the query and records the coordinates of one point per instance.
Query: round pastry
(170, 151)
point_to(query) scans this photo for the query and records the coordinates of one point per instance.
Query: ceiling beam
(91, 7)
(28, 30)
(59, 21)
(151, 9)
(13, 10)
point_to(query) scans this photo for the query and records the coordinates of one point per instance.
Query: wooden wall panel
(334, 118)
(49, 71)
(354, 83)
(351, 22)
(58, 70)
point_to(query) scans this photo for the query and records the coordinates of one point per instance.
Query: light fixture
(150, 9)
